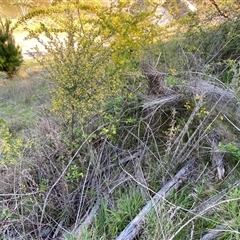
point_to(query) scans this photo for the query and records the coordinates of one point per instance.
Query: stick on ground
(134, 227)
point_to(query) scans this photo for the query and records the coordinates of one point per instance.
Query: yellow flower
(197, 97)
(187, 105)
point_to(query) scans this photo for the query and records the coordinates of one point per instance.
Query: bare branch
(88, 220)
(218, 9)
(133, 228)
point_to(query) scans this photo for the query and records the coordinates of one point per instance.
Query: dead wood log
(217, 155)
(214, 200)
(215, 93)
(205, 208)
(79, 230)
(223, 99)
(134, 227)
(213, 233)
(162, 100)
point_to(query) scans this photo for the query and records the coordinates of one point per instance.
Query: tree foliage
(101, 49)
(10, 53)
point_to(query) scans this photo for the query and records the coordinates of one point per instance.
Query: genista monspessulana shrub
(10, 53)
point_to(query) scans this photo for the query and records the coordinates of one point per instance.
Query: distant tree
(10, 53)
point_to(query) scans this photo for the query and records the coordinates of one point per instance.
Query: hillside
(123, 129)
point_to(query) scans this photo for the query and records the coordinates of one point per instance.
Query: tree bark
(134, 227)
(88, 220)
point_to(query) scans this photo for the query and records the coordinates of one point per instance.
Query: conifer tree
(10, 53)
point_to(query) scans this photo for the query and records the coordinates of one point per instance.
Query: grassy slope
(23, 96)
(124, 190)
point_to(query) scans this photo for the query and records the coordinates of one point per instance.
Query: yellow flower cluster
(187, 105)
(88, 67)
(10, 147)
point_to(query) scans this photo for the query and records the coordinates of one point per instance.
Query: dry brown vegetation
(159, 163)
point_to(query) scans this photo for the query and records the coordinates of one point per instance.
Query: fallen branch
(168, 100)
(218, 9)
(212, 201)
(134, 227)
(79, 230)
(226, 100)
(215, 199)
(127, 159)
(217, 155)
(214, 93)
(213, 233)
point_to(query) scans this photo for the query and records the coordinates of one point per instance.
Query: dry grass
(62, 184)
(42, 199)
